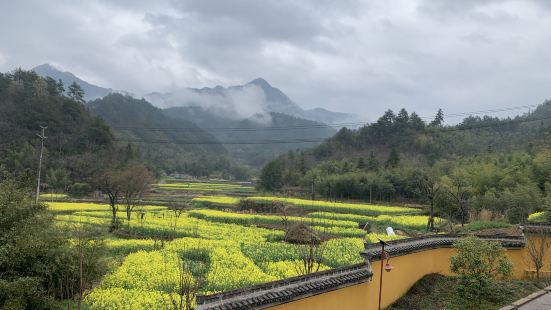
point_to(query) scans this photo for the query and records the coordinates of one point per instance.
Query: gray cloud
(234, 103)
(352, 56)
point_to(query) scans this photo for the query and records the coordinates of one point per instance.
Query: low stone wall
(357, 287)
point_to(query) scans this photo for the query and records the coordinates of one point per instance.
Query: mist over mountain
(232, 116)
(269, 127)
(237, 102)
(244, 101)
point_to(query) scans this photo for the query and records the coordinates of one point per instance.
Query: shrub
(79, 189)
(479, 225)
(478, 263)
(539, 217)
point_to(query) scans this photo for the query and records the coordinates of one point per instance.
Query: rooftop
(410, 245)
(278, 292)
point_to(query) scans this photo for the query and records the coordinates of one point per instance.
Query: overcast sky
(353, 56)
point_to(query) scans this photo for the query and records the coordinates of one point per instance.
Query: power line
(242, 128)
(506, 109)
(42, 138)
(219, 142)
(302, 127)
(280, 141)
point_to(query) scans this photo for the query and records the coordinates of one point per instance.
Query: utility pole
(42, 137)
(384, 255)
(313, 196)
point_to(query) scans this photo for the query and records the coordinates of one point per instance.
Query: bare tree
(459, 191)
(429, 186)
(178, 209)
(135, 182)
(111, 184)
(537, 248)
(283, 209)
(310, 249)
(89, 243)
(188, 286)
(192, 268)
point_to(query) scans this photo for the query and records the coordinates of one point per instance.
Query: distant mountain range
(257, 96)
(253, 112)
(268, 99)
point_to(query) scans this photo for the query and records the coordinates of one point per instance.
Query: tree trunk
(81, 278)
(128, 214)
(430, 224)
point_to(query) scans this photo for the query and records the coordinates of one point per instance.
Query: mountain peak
(90, 91)
(48, 70)
(45, 66)
(260, 82)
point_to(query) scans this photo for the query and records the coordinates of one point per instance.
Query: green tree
(57, 179)
(416, 122)
(60, 87)
(372, 162)
(393, 159)
(37, 263)
(76, 92)
(438, 119)
(479, 263)
(521, 201)
(542, 167)
(271, 176)
(402, 119)
(361, 164)
(52, 87)
(302, 164)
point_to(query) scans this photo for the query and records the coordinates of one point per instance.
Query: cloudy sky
(352, 56)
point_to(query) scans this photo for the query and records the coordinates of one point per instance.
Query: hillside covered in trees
(267, 127)
(167, 144)
(75, 136)
(481, 168)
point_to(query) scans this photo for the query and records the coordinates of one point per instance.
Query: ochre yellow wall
(352, 297)
(528, 265)
(406, 270)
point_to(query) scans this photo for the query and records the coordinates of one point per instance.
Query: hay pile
(300, 233)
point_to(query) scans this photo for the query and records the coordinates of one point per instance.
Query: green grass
(479, 225)
(435, 292)
(53, 196)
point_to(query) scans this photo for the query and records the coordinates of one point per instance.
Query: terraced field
(206, 187)
(235, 249)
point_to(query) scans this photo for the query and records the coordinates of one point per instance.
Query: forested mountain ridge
(271, 127)
(484, 165)
(168, 144)
(91, 91)
(409, 136)
(241, 113)
(79, 136)
(74, 135)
